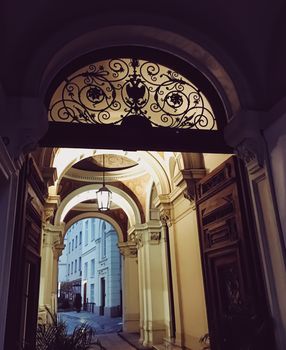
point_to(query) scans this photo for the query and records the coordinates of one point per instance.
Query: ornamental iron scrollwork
(127, 90)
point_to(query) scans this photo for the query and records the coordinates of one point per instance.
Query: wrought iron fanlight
(130, 90)
(103, 195)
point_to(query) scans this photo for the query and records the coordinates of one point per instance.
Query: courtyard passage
(106, 328)
(101, 324)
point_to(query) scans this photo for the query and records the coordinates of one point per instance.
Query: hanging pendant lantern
(103, 195)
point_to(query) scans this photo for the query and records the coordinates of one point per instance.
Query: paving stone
(101, 324)
(106, 328)
(113, 342)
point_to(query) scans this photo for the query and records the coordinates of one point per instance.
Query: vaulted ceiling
(247, 35)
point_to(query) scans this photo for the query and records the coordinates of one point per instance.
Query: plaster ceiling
(112, 162)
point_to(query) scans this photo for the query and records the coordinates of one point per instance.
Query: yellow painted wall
(189, 274)
(214, 160)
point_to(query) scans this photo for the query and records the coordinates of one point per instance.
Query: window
(104, 245)
(73, 244)
(75, 266)
(69, 247)
(103, 239)
(92, 293)
(85, 271)
(80, 237)
(76, 241)
(79, 263)
(72, 267)
(69, 269)
(92, 268)
(93, 229)
(86, 233)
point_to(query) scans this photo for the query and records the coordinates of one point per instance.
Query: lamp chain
(103, 170)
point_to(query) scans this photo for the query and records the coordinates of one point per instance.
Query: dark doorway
(103, 295)
(84, 293)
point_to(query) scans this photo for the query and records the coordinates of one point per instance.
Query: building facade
(91, 265)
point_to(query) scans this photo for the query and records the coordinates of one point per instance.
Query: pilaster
(52, 247)
(172, 300)
(245, 134)
(151, 286)
(131, 310)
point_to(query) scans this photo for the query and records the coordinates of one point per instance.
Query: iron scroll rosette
(126, 90)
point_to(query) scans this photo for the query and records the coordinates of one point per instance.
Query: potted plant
(54, 336)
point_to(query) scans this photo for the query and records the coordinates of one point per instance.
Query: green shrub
(54, 336)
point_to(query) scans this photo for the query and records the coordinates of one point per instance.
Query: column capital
(49, 175)
(244, 133)
(53, 235)
(149, 232)
(58, 249)
(166, 215)
(128, 249)
(51, 205)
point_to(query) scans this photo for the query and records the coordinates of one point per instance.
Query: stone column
(130, 287)
(151, 289)
(52, 247)
(244, 134)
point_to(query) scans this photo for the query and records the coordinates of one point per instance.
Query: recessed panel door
(237, 309)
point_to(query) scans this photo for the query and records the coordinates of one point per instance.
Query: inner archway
(89, 277)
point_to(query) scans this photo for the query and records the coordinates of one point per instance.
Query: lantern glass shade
(103, 198)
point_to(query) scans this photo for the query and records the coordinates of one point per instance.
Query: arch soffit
(89, 192)
(150, 161)
(68, 45)
(97, 215)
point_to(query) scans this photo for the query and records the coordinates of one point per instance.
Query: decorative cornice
(113, 176)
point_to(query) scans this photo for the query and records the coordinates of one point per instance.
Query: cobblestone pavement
(101, 324)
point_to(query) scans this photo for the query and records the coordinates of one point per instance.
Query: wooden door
(238, 314)
(25, 269)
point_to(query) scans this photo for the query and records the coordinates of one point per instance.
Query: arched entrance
(151, 231)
